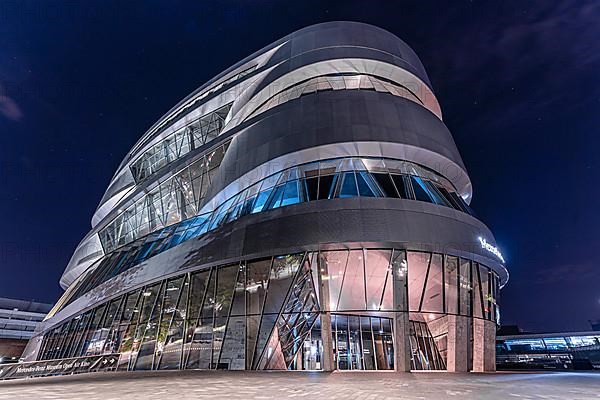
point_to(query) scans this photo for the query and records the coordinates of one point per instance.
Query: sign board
(65, 366)
(492, 249)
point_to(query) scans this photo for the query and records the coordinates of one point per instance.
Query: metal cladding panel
(337, 117)
(339, 34)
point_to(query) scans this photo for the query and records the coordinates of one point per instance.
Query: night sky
(518, 82)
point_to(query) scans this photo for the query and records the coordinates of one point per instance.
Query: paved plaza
(179, 385)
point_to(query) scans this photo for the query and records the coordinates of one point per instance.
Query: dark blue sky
(519, 85)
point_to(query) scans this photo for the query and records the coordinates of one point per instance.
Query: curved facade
(306, 209)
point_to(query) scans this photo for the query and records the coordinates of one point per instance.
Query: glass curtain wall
(264, 313)
(176, 199)
(176, 145)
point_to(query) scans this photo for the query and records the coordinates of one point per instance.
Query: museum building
(306, 209)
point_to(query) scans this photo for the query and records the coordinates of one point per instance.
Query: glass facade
(329, 179)
(179, 143)
(336, 82)
(171, 201)
(265, 313)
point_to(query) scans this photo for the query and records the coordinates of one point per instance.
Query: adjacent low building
(18, 321)
(554, 351)
(306, 209)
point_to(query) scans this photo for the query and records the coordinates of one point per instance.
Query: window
(179, 143)
(386, 184)
(401, 186)
(420, 190)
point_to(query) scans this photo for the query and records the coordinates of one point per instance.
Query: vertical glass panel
(145, 356)
(432, 298)
(226, 280)
(282, 273)
(68, 338)
(418, 264)
(353, 295)
(170, 344)
(477, 295)
(60, 342)
(377, 271)
(129, 320)
(366, 185)
(90, 346)
(200, 348)
(465, 288)
(379, 343)
(291, 194)
(233, 355)
(326, 186)
(170, 296)
(334, 263)
(485, 291)
(312, 187)
(273, 358)
(276, 198)
(341, 339)
(419, 189)
(367, 344)
(146, 325)
(385, 184)
(437, 197)
(449, 199)
(354, 338)
(397, 282)
(451, 284)
(110, 326)
(261, 199)
(199, 282)
(401, 186)
(348, 185)
(388, 344)
(257, 275)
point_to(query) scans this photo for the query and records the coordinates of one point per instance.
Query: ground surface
(179, 385)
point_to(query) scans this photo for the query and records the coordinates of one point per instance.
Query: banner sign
(65, 366)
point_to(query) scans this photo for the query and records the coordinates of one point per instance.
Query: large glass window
(179, 143)
(418, 265)
(171, 201)
(265, 313)
(451, 284)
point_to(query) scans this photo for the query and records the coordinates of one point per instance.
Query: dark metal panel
(335, 117)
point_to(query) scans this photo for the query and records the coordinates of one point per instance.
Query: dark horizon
(518, 86)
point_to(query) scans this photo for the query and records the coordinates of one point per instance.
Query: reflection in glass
(170, 334)
(418, 265)
(377, 273)
(353, 295)
(199, 354)
(432, 296)
(257, 275)
(451, 284)
(264, 314)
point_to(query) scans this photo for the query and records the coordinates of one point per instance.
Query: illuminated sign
(490, 248)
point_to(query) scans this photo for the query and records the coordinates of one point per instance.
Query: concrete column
(327, 360)
(402, 352)
(484, 345)
(458, 343)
